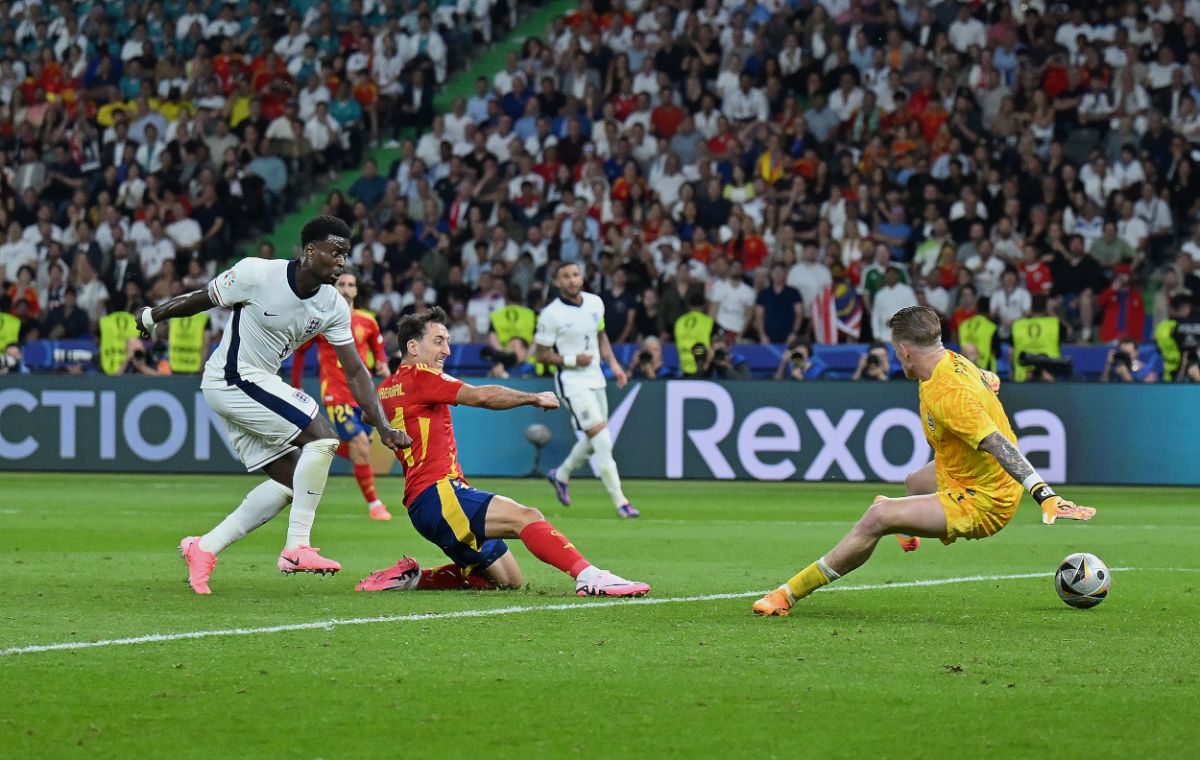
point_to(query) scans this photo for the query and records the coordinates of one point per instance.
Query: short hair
(321, 227)
(413, 326)
(916, 325)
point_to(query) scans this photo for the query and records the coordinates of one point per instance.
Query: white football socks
(579, 454)
(602, 445)
(260, 505)
(308, 482)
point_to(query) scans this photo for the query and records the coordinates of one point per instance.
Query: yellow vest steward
(1034, 335)
(185, 339)
(691, 329)
(979, 331)
(514, 322)
(1166, 346)
(10, 329)
(115, 331)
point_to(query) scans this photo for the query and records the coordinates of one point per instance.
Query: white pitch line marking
(329, 625)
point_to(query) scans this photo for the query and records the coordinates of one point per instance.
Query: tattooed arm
(1008, 455)
(1015, 464)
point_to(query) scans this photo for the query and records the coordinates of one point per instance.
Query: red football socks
(553, 548)
(450, 577)
(343, 450)
(366, 481)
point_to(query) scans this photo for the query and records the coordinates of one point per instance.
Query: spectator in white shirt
(846, 99)
(191, 15)
(502, 81)
(966, 32)
(314, 92)
(893, 296)
(291, 45)
(1128, 169)
(1132, 229)
(1009, 303)
(1096, 107)
(154, 252)
(985, 269)
(369, 243)
(1162, 69)
(324, 135)
(746, 102)
(1098, 181)
(499, 143)
(16, 253)
(808, 275)
(457, 120)
(150, 154)
(731, 302)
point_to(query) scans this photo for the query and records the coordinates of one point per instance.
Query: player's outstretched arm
(499, 397)
(186, 305)
(1018, 467)
(358, 378)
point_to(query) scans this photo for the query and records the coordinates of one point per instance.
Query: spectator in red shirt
(1035, 271)
(1124, 309)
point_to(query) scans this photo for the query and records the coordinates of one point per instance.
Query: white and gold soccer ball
(1082, 580)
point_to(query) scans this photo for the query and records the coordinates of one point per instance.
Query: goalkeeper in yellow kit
(976, 479)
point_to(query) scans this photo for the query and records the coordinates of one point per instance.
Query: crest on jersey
(312, 326)
(301, 396)
(929, 421)
(228, 278)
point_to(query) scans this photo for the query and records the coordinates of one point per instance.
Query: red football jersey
(416, 399)
(367, 339)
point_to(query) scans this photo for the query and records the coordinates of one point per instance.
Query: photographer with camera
(1124, 366)
(875, 364)
(12, 361)
(137, 360)
(648, 364)
(798, 363)
(511, 361)
(720, 363)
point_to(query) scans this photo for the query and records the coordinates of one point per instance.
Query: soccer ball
(1082, 580)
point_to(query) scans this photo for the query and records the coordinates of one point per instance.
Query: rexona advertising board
(836, 431)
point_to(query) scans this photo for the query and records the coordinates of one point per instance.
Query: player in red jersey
(467, 524)
(340, 407)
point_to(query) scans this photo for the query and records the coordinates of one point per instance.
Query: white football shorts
(262, 418)
(588, 407)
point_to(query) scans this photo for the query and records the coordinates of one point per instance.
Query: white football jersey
(270, 320)
(571, 329)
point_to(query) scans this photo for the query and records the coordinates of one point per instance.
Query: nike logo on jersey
(269, 314)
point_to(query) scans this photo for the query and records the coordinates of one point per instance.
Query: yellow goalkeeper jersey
(959, 409)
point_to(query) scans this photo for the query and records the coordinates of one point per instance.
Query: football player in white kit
(570, 334)
(277, 305)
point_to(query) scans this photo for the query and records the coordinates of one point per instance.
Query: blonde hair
(917, 326)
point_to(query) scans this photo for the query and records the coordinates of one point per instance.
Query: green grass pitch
(990, 668)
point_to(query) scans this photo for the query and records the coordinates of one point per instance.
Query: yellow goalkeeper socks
(810, 579)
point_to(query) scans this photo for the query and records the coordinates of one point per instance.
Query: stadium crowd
(787, 173)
